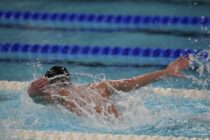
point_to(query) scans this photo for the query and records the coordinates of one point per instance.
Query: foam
(58, 135)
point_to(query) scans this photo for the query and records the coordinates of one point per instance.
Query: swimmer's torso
(82, 100)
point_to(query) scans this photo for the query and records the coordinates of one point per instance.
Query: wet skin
(76, 98)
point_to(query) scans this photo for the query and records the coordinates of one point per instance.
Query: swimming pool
(174, 113)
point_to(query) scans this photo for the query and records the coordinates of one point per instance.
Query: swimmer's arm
(37, 91)
(173, 69)
(106, 87)
(136, 82)
(37, 87)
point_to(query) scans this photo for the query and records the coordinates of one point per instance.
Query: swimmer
(56, 88)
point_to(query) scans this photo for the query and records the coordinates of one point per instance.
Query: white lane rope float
(186, 93)
(58, 135)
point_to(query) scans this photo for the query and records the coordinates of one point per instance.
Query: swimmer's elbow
(32, 93)
(41, 98)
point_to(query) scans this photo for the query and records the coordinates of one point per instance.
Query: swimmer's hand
(37, 86)
(175, 68)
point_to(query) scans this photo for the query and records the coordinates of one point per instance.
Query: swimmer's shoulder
(101, 87)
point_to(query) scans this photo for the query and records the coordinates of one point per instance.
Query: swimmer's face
(63, 79)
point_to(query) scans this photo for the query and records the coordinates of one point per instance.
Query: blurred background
(175, 36)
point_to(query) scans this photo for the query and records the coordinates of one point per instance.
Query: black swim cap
(57, 70)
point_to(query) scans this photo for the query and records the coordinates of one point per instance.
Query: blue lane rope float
(94, 54)
(103, 20)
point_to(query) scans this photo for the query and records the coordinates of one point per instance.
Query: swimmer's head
(58, 74)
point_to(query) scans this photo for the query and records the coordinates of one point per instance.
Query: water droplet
(196, 40)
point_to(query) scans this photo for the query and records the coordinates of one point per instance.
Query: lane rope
(122, 20)
(57, 135)
(96, 54)
(186, 93)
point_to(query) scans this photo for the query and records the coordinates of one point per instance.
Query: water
(142, 111)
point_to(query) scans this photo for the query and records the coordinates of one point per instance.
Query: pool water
(144, 112)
